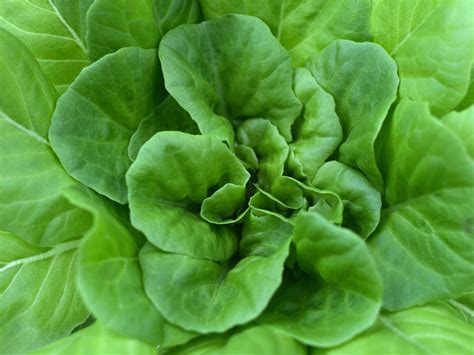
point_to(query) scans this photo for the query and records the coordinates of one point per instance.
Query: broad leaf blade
(41, 26)
(100, 112)
(203, 67)
(363, 80)
(110, 278)
(428, 207)
(433, 44)
(430, 329)
(39, 300)
(302, 26)
(30, 174)
(98, 340)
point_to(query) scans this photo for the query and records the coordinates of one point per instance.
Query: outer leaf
(74, 13)
(31, 177)
(169, 116)
(42, 27)
(178, 180)
(424, 245)
(97, 340)
(98, 115)
(317, 133)
(110, 278)
(205, 296)
(254, 340)
(39, 301)
(468, 99)
(226, 70)
(363, 80)
(302, 26)
(362, 203)
(433, 44)
(462, 124)
(114, 24)
(431, 329)
(326, 313)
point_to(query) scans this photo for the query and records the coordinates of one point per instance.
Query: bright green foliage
(433, 44)
(363, 80)
(98, 340)
(302, 26)
(51, 308)
(173, 203)
(31, 177)
(52, 34)
(424, 211)
(236, 177)
(134, 23)
(204, 68)
(100, 112)
(431, 329)
(205, 296)
(342, 301)
(255, 339)
(109, 270)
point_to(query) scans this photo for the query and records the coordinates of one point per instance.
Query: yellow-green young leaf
(317, 132)
(42, 26)
(361, 200)
(432, 42)
(431, 329)
(39, 299)
(96, 117)
(31, 177)
(114, 24)
(302, 26)
(363, 80)
(251, 340)
(424, 244)
(337, 295)
(229, 69)
(268, 146)
(97, 340)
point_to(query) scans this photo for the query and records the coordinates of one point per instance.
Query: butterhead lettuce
(236, 177)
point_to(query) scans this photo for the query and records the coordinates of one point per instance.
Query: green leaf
(169, 116)
(433, 44)
(431, 329)
(424, 244)
(97, 340)
(317, 133)
(302, 26)
(95, 119)
(74, 13)
(462, 124)
(39, 300)
(340, 293)
(363, 80)
(177, 185)
(269, 147)
(110, 278)
(362, 202)
(226, 70)
(31, 177)
(468, 99)
(42, 27)
(252, 340)
(206, 296)
(114, 24)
